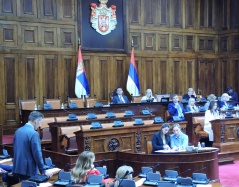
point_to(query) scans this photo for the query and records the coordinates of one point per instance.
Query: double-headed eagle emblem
(103, 19)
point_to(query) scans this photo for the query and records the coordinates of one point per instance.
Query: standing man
(179, 140)
(120, 98)
(27, 149)
(176, 108)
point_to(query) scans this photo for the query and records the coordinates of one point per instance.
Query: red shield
(103, 23)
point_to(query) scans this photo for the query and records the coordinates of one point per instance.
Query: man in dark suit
(176, 108)
(120, 98)
(27, 149)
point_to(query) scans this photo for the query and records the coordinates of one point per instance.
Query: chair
(112, 94)
(148, 143)
(45, 131)
(198, 123)
(27, 104)
(78, 101)
(68, 139)
(167, 116)
(90, 102)
(136, 99)
(180, 98)
(56, 103)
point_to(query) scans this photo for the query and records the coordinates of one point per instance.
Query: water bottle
(62, 106)
(35, 107)
(199, 145)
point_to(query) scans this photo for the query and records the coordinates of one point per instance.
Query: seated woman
(211, 114)
(191, 94)
(148, 96)
(191, 107)
(123, 172)
(85, 167)
(224, 104)
(179, 140)
(210, 98)
(161, 139)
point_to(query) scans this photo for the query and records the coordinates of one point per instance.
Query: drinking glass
(202, 144)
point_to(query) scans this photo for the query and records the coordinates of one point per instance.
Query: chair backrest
(45, 122)
(180, 97)
(61, 118)
(27, 104)
(56, 103)
(90, 102)
(200, 121)
(137, 99)
(148, 143)
(78, 101)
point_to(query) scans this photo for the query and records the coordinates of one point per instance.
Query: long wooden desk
(56, 132)
(226, 135)
(113, 160)
(156, 108)
(129, 138)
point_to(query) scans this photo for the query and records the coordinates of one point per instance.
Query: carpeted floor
(7, 139)
(229, 174)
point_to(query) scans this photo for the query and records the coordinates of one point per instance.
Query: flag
(133, 86)
(81, 84)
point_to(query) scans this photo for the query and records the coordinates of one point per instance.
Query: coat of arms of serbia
(103, 18)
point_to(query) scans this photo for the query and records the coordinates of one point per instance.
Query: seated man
(178, 140)
(120, 98)
(191, 94)
(176, 108)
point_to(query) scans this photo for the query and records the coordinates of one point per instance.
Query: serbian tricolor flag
(133, 79)
(81, 85)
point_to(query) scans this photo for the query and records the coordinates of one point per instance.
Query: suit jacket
(157, 141)
(116, 99)
(173, 111)
(27, 152)
(187, 97)
(224, 104)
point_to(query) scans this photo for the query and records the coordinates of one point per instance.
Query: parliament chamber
(178, 44)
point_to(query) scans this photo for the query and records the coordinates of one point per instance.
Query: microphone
(184, 171)
(200, 169)
(100, 163)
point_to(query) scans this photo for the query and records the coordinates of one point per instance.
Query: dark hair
(164, 126)
(211, 104)
(229, 88)
(35, 115)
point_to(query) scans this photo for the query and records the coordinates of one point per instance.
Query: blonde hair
(83, 164)
(150, 91)
(225, 95)
(211, 97)
(120, 173)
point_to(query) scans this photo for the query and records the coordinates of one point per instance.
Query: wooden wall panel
(178, 44)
